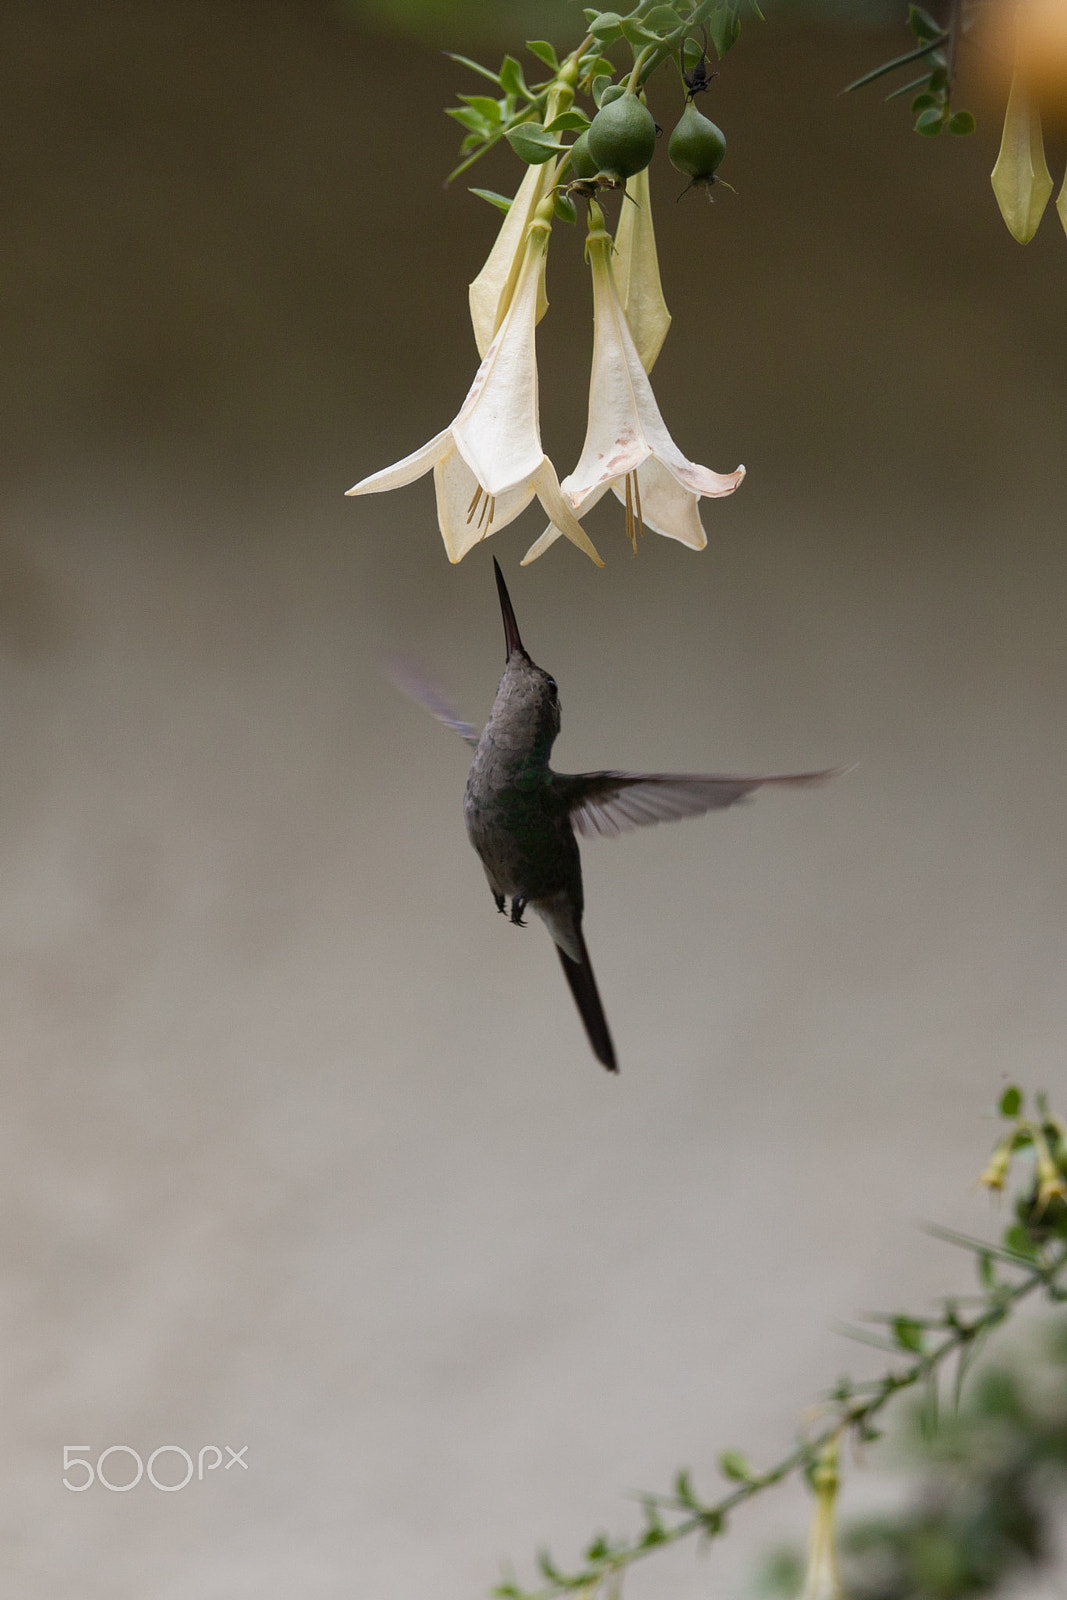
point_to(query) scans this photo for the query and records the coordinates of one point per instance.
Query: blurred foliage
(935, 55)
(992, 1480)
(992, 1469)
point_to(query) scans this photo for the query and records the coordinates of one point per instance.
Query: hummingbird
(523, 819)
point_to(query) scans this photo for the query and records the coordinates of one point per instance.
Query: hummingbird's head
(526, 712)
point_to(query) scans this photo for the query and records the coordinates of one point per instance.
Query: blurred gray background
(303, 1148)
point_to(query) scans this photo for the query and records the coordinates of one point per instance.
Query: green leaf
(922, 101)
(662, 20)
(532, 144)
(907, 88)
(512, 80)
(473, 120)
(549, 1568)
(544, 52)
(732, 1464)
(724, 28)
(564, 206)
(986, 1272)
(923, 25)
(1011, 1101)
(692, 53)
(594, 63)
(908, 1334)
(475, 66)
(501, 201)
(891, 66)
(683, 1488)
(930, 122)
(598, 1549)
(568, 119)
(1018, 1240)
(605, 26)
(489, 108)
(601, 83)
(636, 34)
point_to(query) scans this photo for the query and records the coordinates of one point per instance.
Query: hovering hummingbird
(522, 817)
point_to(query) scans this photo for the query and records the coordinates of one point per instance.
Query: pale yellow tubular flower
(490, 463)
(490, 293)
(1021, 179)
(1050, 1180)
(821, 1581)
(998, 1165)
(1061, 204)
(636, 269)
(627, 447)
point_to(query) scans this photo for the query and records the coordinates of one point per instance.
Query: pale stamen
(637, 503)
(472, 508)
(488, 508)
(631, 531)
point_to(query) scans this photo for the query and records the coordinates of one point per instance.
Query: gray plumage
(523, 818)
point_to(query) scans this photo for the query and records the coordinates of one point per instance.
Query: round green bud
(582, 164)
(622, 138)
(696, 146)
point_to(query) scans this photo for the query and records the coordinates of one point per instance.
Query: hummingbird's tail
(579, 975)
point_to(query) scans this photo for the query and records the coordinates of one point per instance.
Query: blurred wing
(407, 678)
(610, 803)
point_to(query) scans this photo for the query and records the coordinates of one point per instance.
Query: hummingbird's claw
(518, 906)
(499, 901)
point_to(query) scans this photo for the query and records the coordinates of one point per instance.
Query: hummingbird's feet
(499, 901)
(518, 906)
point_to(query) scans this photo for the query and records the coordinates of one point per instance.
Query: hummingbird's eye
(552, 685)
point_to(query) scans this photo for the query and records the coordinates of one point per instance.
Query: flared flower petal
(463, 508)
(627, 446)
(490, 463)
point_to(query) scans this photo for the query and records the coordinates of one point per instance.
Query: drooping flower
(627, 447)
(492, 290)
(490, 463)
(821, 1581)
(636, 269)
(1021, 179)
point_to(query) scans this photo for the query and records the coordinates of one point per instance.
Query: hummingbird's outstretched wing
(610, 803)
(407, 677)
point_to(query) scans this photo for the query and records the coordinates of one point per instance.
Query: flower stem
(852, 1414)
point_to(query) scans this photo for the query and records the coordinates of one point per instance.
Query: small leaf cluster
(931, 91)
(531, 116)
(1041, 1210)
(925, 1350)
(517, 112)
(987, 1498)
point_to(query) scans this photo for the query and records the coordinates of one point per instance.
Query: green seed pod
(582, 164)
(696, 146)
(622, 138)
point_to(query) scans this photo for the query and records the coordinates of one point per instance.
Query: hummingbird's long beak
(511, 627)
